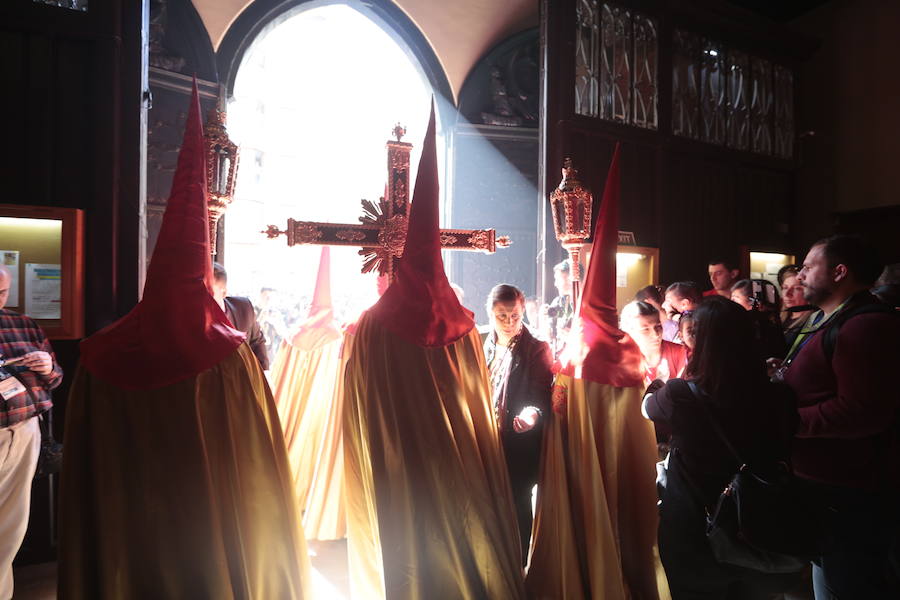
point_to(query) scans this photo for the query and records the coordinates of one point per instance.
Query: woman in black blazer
(757, 417)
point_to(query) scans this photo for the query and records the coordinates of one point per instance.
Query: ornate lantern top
(222, 153)
(571, 203)
(221, 170)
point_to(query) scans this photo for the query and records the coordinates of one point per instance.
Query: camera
(555, 312)
(763, 294)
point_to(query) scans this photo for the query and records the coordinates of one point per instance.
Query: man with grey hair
(28, 372)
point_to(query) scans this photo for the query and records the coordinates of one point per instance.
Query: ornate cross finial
(381, 232)
(399, 131)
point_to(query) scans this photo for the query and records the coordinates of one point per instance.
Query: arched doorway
(315, 97)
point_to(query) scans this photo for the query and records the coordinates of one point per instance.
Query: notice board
(43, 249)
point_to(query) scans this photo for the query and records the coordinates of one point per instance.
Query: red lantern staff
(571, 203)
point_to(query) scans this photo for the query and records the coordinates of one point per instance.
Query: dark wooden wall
(848, 120)
(74, 125)
(692, 200)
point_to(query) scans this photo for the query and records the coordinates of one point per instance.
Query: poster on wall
(42, 291)
(10, 260)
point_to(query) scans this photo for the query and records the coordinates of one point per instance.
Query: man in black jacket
(521, 377)
(241, 314)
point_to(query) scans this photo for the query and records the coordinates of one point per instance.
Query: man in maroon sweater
(847, 442)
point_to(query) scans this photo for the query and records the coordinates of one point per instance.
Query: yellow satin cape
(179, 492)
(429, 507)
(307, 383)
(595, 525)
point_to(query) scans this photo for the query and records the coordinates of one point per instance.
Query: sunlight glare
(315, 100)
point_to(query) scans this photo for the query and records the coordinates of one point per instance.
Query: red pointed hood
(604, 353)
(177, 330)
(319, 327)
(420, 306)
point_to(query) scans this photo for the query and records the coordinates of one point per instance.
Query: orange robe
(596, 518)
(430, 512)
(183, 491)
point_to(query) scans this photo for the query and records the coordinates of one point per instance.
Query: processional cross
(381, 232)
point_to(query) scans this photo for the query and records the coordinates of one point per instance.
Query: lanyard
(806, 334)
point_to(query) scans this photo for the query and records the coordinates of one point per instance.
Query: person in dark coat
(242, 315)
(520, 369)
(847, 445)
(758, 418)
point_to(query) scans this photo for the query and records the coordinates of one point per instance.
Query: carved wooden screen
(784, 112)
(79, 5)
(616, 53)
(705, 121)
(725, 96)
(611, 53)
(738, 117)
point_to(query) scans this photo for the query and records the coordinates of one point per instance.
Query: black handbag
(51, 456)
(764, 519)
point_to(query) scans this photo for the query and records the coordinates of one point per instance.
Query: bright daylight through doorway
(315, 100)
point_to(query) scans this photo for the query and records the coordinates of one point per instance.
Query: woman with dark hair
(519, 366)
(758, 419)
(686, 331)
(760, 297)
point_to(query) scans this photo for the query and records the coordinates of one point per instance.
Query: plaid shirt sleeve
(20, 335)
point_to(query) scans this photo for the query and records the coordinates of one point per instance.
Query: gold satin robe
(307, 381)
(181, 492)
(595, 526)
(429, 508)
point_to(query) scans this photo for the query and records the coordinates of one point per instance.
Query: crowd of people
(742, 369)
(796, 376)
(177, 480)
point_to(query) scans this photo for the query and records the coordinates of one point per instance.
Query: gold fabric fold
(595, 525)
(179, 492)
(307, 382)
(430, 511)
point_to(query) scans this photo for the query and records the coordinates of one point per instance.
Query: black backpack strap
(829, 341)
(694, 489)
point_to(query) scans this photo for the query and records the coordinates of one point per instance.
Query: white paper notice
(10, 260)
(42, 291)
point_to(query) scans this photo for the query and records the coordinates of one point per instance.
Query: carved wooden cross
(382, 229)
